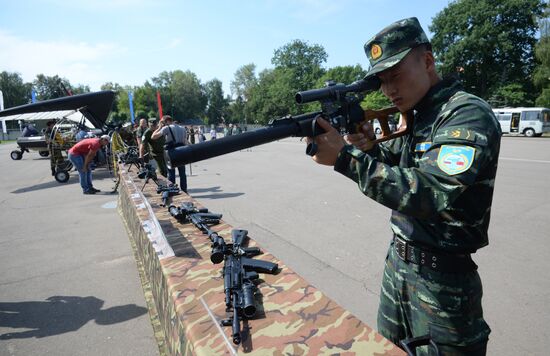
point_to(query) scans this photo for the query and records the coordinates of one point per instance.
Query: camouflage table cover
(294, 317)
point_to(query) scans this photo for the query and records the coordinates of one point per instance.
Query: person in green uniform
(154, 147)
(140, 130)
(438, 180)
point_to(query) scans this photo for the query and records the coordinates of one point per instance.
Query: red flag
(160, 104)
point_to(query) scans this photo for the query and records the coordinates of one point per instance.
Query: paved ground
(68, 282)
(318, 223)
(56, 243)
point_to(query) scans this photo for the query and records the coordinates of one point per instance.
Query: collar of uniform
(437, 95)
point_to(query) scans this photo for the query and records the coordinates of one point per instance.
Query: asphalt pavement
(58, 245)
(320, 225)
(68, 282)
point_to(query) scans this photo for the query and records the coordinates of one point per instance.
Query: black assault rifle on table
(147, 172)
(202, 219)
(340, 105)
(240, 271)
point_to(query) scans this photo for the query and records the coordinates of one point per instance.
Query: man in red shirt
(81, 155)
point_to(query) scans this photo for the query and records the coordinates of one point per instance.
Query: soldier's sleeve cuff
(344, 160)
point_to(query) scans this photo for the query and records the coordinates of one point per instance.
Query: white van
(527, 121)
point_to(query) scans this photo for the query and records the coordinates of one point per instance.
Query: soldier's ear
(429, 61)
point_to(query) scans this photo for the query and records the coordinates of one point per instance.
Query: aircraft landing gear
(16, 155)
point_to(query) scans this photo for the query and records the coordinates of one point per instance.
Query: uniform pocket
(462, 335)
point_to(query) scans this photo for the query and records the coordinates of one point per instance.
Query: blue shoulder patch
(455, 159)
(422, 146)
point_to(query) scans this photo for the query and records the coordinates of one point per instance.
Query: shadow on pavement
(96, 175)
(217, 193)
(51, 184)
(61, 314)
(217, 196)
(204, 190)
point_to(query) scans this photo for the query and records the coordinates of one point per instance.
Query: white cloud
(79, 62)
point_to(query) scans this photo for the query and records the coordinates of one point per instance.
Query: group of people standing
(154, 136)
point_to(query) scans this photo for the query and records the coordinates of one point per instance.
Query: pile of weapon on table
(240, 270)
(147, 171)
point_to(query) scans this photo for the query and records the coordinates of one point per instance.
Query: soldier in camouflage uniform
(438, 180)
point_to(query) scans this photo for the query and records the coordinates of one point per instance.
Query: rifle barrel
(296, 126)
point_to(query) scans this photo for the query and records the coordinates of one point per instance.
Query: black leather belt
(441, 262)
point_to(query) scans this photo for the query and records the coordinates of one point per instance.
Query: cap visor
(387, 63)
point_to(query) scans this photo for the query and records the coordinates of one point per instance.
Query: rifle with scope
(340, 105)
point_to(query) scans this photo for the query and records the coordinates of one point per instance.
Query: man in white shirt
(175, 136)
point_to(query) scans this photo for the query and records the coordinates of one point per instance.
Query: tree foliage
(302, 61)
(490, 43)
(47, 87)
(341, 74)
(14, 90)
(245, 80)
(217, 104)
(375, 101)
(541, 76)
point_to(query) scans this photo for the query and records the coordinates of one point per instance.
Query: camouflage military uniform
(156, 149)
(439, 182)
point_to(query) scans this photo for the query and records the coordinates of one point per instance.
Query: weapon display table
(294, 318)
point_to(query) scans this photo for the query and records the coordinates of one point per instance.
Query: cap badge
(375, 51)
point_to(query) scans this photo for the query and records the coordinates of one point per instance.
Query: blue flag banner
(130, 100)
(33, 96)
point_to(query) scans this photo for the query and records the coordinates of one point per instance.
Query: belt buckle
(401, 248)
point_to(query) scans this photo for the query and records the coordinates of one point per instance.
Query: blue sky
(130, 41)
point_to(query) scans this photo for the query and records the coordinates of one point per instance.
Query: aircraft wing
(94, 106)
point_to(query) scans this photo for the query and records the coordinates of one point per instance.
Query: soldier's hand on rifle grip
(364, 139)
(329, 144)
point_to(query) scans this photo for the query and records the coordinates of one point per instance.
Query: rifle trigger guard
(311, 148)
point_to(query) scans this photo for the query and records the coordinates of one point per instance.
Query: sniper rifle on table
(340, 105)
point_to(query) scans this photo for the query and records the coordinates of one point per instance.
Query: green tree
(163, 83)
(114, 116)
(490, 43)
(342, 74)
(14, 90)
(245, 80)
(510, 95)
(236, 110)
(273, 97)
(302, 61)
(123, 104)
(145, 101)
(544, 98)
(188, 97)
(51, 87)
(80, 89)
(541, 76)
(217, 104)
(375, 101)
